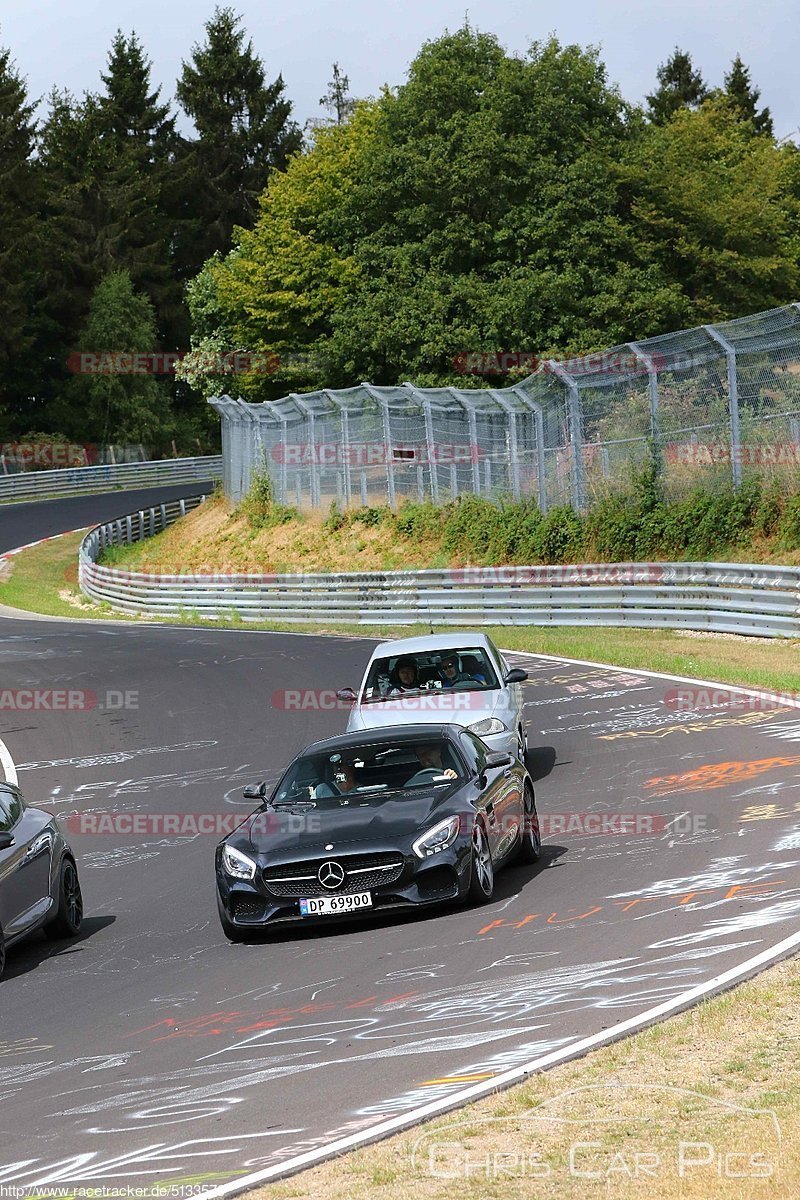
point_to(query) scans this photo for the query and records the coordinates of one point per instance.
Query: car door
(24, 865)
(495, 797)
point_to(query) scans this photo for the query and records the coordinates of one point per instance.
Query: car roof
(432, 641)
(396, 733)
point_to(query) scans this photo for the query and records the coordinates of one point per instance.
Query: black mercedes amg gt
(39, 886)
(377, 820)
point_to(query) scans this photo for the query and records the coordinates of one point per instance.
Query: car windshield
(367, 773)
(465, 668)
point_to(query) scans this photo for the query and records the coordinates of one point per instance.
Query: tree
(337, 101)
(476, 208)
(19, 242)
(718, 209)
(743, 98)
(244, 132)
(114, 404)
(680, 86)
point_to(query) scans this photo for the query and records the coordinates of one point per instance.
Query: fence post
(348, 488)
(538, 424)
(513, 449)
(387, 438)
(309, 415)
(575, 433)
(433, 473)
(472, 421)
(652, 391)
(733, 401)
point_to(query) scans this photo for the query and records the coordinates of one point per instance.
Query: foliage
(679, 86)
(259, 505)
(111, 405)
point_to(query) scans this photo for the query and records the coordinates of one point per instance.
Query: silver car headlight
(437, 838)
(488, 725)
(237, 864)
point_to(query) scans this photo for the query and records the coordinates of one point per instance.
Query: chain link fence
(716, 403)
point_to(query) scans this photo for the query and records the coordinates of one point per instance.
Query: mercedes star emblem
(331, 875)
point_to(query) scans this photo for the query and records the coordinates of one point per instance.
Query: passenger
(343, 780)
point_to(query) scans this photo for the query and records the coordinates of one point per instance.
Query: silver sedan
(455, 677)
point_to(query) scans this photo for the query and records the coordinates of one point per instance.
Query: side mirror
(6, 840)
(498, 759)
(346, 694)
(255, 791)
(515, 675)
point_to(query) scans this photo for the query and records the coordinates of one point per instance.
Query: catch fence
(715, 403)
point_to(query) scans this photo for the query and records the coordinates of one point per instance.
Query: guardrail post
(733, 401)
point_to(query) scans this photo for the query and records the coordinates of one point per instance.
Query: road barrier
(42, 485)
(761, 601)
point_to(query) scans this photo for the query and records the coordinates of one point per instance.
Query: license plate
(326, 905)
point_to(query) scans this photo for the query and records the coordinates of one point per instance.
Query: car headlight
(486, 726)
(439, 837)
(237, 864)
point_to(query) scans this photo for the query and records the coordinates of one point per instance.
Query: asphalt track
(152, 1050)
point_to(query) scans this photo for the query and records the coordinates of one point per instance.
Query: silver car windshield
(370, 772)
(466, 668)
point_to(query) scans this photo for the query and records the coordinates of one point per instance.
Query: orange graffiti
(715, 775)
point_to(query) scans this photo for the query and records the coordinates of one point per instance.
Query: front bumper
(441, 879)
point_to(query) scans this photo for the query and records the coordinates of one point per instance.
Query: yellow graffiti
(750, 718)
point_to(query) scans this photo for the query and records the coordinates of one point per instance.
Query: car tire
(69, 914)
(481, 884)
(232, 932)
(530, 846)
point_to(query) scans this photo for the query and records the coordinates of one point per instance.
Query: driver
(405, 676)
(430, 759)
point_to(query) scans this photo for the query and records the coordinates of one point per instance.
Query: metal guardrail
(761, 601)
(41, 485)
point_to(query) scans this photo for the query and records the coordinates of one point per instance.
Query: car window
(462, 668)
(367, 773)
(475, 750)
(10, 810)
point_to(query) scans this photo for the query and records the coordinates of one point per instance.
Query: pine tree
(19, 242)
(244, 132)
(743, 97)
(337, 100)
(114, 405)
(680, 86)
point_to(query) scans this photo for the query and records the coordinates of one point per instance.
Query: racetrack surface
(23, 523)
(151, 1049)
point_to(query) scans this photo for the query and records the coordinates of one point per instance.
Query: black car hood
(384, 822)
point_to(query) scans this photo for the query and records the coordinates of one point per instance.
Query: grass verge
(705, 1105)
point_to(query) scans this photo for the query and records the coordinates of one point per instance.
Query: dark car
(39, 886)
(376, 820)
